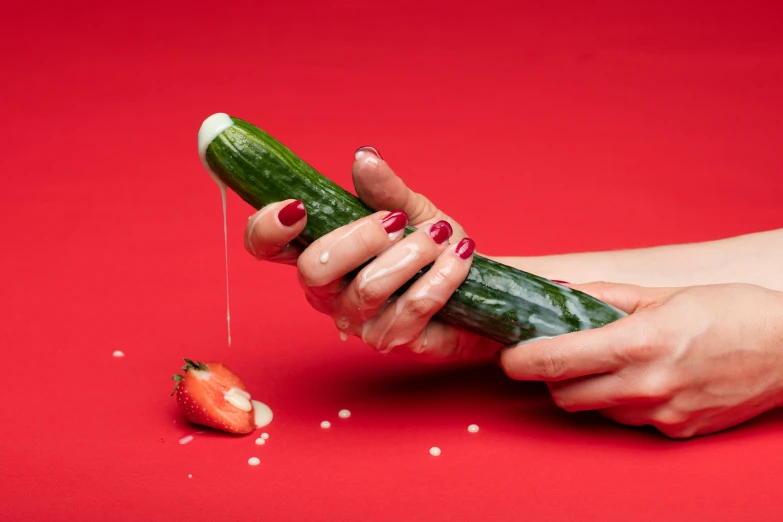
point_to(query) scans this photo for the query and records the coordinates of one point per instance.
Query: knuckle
(370, 293)
(369, 238)
(551, 364)
(308, 270)
(670, 418)
(681, 431)
(658, 387)
(317, 303)
(423, 208)
(564, 401)
(642, 351)
(421, 307)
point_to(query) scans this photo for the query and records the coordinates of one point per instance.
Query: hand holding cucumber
(358, 304)
(397, 272)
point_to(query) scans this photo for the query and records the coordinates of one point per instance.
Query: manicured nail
(560, 282)
(394, 222)
(291, 213)
(362, 150)
(440, 232)
(465, 248)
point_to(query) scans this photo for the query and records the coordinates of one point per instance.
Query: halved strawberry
(212, 395)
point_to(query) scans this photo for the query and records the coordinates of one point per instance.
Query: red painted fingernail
(440, 232)
(291, 213)
(465, 248)
(395, 221)
(560, 282)
(367, 148)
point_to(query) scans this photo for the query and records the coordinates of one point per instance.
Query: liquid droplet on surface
(344, 414)
(262, 414)
(260, 441)
(264, 435)
(326, 425)
(435, 451)
(186, 439)
(473, 428)
(254, 461)
(118, 353)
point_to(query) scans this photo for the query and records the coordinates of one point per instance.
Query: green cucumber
(495, 301)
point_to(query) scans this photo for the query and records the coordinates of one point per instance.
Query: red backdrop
(542, 129)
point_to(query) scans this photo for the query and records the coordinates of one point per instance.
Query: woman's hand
(365, 306)
(688, 361)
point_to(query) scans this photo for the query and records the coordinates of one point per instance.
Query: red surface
(575, 128)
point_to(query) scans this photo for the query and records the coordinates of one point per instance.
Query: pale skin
(700, 351)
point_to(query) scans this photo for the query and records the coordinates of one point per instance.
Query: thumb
(381, 189)
(628, 298)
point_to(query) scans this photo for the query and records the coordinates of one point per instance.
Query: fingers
(628, 298)
(440, 341)
(567, 356)
(376, 283)
(270, 231)
(324, 263)
(403, 322)
(603, 391)
(381, 189)
(670, 421)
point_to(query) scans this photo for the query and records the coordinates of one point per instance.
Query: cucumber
(495, 301)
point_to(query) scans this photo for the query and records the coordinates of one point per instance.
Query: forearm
(753, 258)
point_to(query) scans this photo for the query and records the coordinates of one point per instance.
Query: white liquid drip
(254, 461)
(225, 247)
(343, 336)
(399, 307)
(253, 223)
(262, 415)
(211, 129)
(412, 255)
(186, 439)
(325, 254)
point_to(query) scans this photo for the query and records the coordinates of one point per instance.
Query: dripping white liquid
(225, 248)
(211, 129)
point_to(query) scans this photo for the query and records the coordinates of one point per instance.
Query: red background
(542, 129)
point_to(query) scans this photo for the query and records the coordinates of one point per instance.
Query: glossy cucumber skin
(496, 301)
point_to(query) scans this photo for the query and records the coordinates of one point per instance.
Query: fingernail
(394, 222)
(291, 213)
(465, 248)
(362, 150)
(560, 282)
(440, 232)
